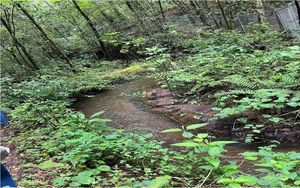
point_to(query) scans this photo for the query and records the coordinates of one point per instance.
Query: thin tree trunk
(72, 21)
(18, 44)
(231, 20)
(141, 23)
(223, 14)
(298, 9)
(162, 11)
(48, 53)
(109, 19)
(82, 33)
(44, 34)
(29, 64)
(205, 4)
(5, 70)
(193, 5)
(63, 35)
(260, 11)
(101, 43)
(13, 30)
(129, 6)
(116, 10)
(143, 11)
(16, 58)
(199, 12)
(19, 62)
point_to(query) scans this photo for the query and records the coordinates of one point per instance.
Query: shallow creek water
(124, 106)
(127, 110)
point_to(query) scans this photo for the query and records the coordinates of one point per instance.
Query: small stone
(4, 152)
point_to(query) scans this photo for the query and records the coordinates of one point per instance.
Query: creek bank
(129, 104)
(161, 101)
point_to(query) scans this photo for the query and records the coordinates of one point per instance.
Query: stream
(126, 108)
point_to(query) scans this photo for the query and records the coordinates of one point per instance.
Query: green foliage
(276, 169)
(32, 183)
(263, 99)
(257, 73)
(93, 150)
(235, 63)
(49, 164)
(33, 113)
(124, 42)
(210, 151)
(160, 181)
(57, 140)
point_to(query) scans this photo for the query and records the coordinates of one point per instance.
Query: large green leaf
(215, 151)
(171, 130)
(224, 180)
(196, 126)
(187, 134)
(103, 168)
(83, 179)
(220, 143)
(160, 182)
(202, 135)
(247, 180)
(214, 162)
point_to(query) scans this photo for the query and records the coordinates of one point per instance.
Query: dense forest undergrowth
(251, 82)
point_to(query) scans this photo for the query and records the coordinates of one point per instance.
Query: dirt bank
(161, 101)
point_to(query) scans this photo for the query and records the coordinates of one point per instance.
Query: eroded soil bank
(161, 100)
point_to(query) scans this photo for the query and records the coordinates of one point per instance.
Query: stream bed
(126, 108)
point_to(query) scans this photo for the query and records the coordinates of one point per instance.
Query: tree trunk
(140, 10)
(72, 21)
(109, 19)
(44, 34)
(223, 14)
(29, 64)
(199, 12)
(116, 10)
(129, 6)
(298, 10)
(162, 11)
(18, 44)
(260, 11)
(210, 12)
(141, 23)
(18, 61)
(101, 43)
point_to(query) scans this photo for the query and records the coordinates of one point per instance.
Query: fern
(235, 92)
(293, 86)
(240, 81)
(289, 79)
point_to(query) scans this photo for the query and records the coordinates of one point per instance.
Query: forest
(150, 93)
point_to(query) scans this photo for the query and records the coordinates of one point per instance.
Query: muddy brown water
(124, 105)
